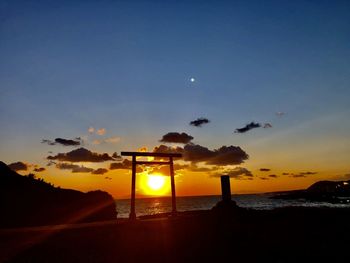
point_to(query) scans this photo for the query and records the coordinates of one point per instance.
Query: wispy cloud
(199, 122)
(39, 169)
(236, 173)
(248, 127)
(302, 174)
(112, 140)
(101, 131)
(65, 142)
(99, 171)
(74, 168)
(267, 125)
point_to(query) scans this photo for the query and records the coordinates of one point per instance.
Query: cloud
(199, 122)
(142, 149)
(264, 178)
(163, 169)
(126, 165)
(273, 175)
(308, 173)
(175, 137)
(302, 174)
(81, 155)
(65, 142)
(264, 169)
(74, 168)
(82, 169)
(166, 149)
(116, 156)
(18, 166)
(108, 178)
(280, 113)
(237, 173)
(49, 142)
(197, 153)
(297, 175)
(225, 155)
(99, 171)
(50, 163)
(101, 131)
(267, 125)
(40, 169)
(248, 127)
(114, 139)
(195, 168)
(285, 173)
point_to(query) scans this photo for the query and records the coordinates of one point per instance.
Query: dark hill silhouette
(322, 191)
(26, 201)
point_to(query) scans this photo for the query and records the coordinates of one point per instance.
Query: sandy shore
(282, 235)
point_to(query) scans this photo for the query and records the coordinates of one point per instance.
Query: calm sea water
(150, 206)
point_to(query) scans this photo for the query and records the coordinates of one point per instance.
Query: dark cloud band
(81, 155)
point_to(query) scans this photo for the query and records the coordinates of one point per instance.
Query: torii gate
(132, 214)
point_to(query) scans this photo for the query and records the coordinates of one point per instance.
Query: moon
(192, 80)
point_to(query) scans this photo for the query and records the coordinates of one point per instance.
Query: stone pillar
(225, 188)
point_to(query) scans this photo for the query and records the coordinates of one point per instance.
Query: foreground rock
(281, 235)
(26, 201)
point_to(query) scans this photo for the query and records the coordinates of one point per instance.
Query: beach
(279, 235)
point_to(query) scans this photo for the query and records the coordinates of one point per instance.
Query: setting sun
(155, 184)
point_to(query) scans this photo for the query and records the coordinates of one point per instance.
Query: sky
(116, 76)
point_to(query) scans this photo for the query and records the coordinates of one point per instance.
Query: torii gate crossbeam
(132, 214)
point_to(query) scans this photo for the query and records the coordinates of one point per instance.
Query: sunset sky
(112, 76)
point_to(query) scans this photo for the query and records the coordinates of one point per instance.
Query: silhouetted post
(225, 188)
(172, 178)
(132, 214)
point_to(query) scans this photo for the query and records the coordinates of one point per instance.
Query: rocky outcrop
(26, 201)
(322, 191)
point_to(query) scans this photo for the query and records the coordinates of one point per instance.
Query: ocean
(156, 205)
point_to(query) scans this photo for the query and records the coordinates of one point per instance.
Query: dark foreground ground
(282, 235)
